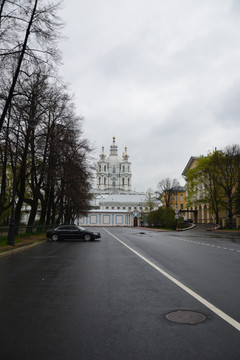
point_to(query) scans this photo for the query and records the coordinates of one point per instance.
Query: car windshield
(81, 228)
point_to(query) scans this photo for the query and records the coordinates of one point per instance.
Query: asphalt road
(108, 299)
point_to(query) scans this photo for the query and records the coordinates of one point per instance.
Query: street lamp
(176, 209)
(11, 231)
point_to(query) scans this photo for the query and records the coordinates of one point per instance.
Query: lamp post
(11, 230)
(176, 209)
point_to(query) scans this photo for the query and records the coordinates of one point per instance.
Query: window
(118, 207)
(123, 181)
(64, 228)
(112, 207)
(123, 168)
(114, 170)
(106, 207)
(129, 208)
(99, 181)
(181, 197)
(181, 206)
(105, 168)
(104, 181)
(128, 181)
(99, 167)
(73, 228)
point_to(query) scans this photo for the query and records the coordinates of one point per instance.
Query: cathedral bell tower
(114, 173)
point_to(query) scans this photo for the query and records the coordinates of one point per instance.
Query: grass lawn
(21, 241)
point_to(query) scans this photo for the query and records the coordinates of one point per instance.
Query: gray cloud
(160, 76)
(228, 107)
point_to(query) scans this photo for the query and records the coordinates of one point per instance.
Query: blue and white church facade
(114, 173)
(114, 203)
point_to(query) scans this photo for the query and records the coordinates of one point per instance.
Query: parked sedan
(71, 232)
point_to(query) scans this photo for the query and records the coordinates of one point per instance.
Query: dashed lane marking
(206, 303)
(206, 244)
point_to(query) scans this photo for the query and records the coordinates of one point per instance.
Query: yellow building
(178, 199)
(201, 213)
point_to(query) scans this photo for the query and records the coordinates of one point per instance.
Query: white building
(114, 173)
(114, 203)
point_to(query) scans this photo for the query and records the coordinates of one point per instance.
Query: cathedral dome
(114, 160)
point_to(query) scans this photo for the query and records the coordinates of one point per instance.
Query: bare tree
(60, 172)
(167, 188)
(150, 199)
(51, 165)
(33, 28)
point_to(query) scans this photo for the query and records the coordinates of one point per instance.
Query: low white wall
(103, 218)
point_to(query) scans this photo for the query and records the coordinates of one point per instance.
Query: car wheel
(87, 237)
(55, 237)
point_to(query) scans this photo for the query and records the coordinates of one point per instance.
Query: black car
(71, 232)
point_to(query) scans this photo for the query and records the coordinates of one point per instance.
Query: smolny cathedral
(114, 202)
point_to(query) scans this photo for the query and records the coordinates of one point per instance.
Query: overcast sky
(162, 76)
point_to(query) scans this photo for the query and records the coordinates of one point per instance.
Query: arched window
(123, 168)
(104, 181)
(128, 181)
(123, 181)
(114, 170)
(105, 168)
(99, 181)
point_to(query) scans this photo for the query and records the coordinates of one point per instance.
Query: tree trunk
(1, 10)
(17, 71)
(21, 181)
(33, 212)
(3, 206)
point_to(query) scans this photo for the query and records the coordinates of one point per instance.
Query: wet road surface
(103, 300)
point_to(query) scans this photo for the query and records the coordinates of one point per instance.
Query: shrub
(164, 217)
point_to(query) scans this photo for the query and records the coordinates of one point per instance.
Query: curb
(163, 230)
(188, 228)
(10, 252)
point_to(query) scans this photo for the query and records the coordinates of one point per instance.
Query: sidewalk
(22, 244)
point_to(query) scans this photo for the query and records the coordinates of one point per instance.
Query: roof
(124, 198)
(190, 161)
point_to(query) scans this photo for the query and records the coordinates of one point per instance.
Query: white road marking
(206, 303)
(206, 244)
